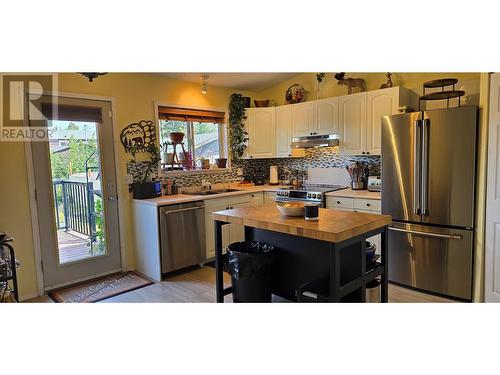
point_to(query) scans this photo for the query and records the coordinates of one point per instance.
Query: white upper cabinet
(283, 131)
(261, 128)
(379, 103)
(326, 116)
(360, 118)
(303, 119)
(352, 124)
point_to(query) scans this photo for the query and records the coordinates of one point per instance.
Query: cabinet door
(261, 132)
(302, 119)
(283, 131)
(379, 103)
(377, 240)
(326, 116)
(211, 206)
(257, 199)
(269, 197)
(352, 124)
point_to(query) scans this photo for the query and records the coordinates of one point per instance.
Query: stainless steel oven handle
(183, 209)
(425, 234)
(416, 168)
(425, 165)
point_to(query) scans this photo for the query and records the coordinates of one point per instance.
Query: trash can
(250, 266)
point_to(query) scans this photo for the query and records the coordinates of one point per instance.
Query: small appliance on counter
(259, 178)
(273, 175)
(374, 183)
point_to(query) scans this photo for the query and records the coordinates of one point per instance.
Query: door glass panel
(77, 191)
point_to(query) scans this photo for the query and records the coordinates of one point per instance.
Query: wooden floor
(198, 285)
(72, 247)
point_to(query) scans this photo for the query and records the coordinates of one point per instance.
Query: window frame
(223, 146)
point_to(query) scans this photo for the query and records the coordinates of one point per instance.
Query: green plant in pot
(237, 134)
(144, 186)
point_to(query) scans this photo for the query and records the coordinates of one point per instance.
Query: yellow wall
(373, 81)
(134, 94)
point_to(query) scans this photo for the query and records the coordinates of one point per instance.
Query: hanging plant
(237, 134)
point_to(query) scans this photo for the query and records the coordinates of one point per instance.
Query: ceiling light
(204, 84)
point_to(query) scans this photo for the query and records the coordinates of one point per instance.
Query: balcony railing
(75, 206)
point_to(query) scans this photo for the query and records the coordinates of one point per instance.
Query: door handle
(425, 165)
(426, 234)
(183, 210)
(416, 167)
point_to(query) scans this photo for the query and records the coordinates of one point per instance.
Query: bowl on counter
(291, 209)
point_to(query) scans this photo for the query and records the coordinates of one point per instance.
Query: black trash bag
(250, 259)
(250, 266)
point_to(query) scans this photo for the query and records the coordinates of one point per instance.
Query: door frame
(31, 186)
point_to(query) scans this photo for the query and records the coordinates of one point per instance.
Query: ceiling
(238, 81)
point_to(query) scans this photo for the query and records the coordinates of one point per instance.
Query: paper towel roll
(273, 175)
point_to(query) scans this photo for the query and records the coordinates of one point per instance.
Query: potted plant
(145, 187)
(237, 134)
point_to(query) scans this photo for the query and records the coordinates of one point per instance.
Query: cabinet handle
(368, 205)
(338, 202)
(367, 153)
(362, 153)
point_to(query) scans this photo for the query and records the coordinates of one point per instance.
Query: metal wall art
(138, 136)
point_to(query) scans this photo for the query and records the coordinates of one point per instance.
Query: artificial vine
(237, 134)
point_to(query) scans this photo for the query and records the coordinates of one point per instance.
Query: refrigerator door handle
(425, 165)
(428, 234)
(416, 167)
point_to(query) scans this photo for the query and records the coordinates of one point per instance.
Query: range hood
(315, 141)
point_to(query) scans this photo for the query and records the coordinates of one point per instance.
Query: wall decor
(388, 83)
(319, 79)
(295, 94)
(351, 83)
(138, 136)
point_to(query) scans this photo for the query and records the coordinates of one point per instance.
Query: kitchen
(231, 187)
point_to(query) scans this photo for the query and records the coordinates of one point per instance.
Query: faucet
(205, 185)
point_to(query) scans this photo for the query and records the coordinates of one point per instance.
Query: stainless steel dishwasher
(182, 235)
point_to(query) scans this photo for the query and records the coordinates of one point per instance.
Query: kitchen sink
(211, 192)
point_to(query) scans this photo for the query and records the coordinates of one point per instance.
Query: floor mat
(101, 288)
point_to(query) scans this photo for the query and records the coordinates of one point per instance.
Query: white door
(76, 194)
(302, 119)
(284, 131)
(261, 132)
(352, 124)
(326, 116)
(492, 240)
(379, 103)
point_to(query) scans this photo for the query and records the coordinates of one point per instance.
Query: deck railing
(74, 206)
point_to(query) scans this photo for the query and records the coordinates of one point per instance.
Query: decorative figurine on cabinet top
(351, 83)
(388, 83)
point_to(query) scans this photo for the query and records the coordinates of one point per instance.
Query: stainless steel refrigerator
(428, 186)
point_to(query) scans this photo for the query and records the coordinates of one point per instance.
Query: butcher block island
(332, 249)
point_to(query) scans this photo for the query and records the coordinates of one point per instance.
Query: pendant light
(204, 84)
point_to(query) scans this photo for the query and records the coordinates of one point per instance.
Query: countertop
(185, 198)
(349, 193)
(332, 226)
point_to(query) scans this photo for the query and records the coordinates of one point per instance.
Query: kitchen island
(333, 246)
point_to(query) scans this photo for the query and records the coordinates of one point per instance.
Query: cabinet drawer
(342, 203)
(239, 199)
(368, 204)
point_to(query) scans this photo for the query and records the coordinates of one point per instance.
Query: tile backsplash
(324, 157)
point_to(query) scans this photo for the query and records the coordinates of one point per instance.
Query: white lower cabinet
(230, 232)
(269, 197)
(370, 206)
